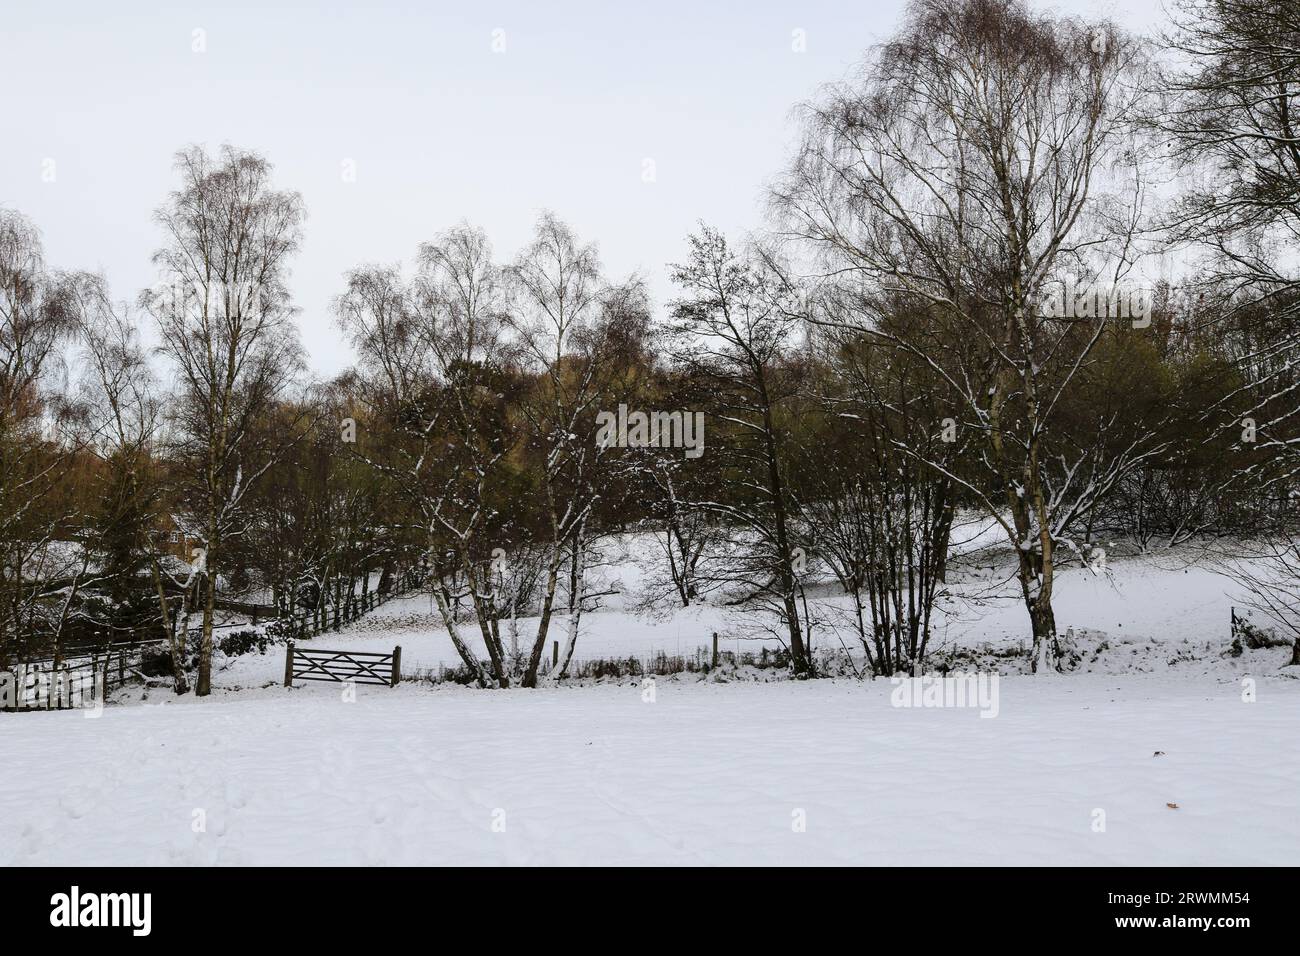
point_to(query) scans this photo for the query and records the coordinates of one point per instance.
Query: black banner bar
(359, 905)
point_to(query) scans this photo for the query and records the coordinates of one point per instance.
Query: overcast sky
(486, 111)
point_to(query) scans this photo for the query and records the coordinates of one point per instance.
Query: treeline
(951, 312)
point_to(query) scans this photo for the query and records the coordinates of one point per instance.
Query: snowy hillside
(1173, 607)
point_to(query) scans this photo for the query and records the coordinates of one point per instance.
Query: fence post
(555, 654)
(107, 658)
(715, 649)
(397, 665)
(288, 664)
(121, 667)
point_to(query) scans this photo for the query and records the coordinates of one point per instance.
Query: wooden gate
(361, 667)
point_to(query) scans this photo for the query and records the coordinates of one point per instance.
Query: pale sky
(437, 125)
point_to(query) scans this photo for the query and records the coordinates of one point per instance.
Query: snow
(1163, 601)
(714, 771)
(706, 774)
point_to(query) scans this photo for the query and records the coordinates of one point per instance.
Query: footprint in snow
(77, 802)
(236, 796)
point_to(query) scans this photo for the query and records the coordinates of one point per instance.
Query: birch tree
(435, 377)
(983, 156)
(225, 320)
(568, 322)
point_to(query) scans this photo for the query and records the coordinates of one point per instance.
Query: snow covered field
(705, 774)
(1074, 769)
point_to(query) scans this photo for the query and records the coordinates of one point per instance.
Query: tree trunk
(798, 654)
(942, 538)
(575, 615)
(470, 661)
(203, 686)
(180, 684)
(544, 625)
(1043, 620)
(485, 615)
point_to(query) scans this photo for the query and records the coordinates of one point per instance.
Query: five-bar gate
(361, 667)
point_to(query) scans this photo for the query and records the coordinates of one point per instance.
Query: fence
(360, 667)
(39, 685)
(316, 621)
(95, 672)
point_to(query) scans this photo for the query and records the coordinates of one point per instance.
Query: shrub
(246, 642)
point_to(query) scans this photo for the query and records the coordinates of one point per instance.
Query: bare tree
(405, 410)
(41, 435)
(1230, 112)
(568, 322)
(968, 170)
(877, 513)
(686, 536)
(733, 331)
(460, 299)
(125, 417)
(432, 356)
(226, 324)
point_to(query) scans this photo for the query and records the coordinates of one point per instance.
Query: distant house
(174, 537)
